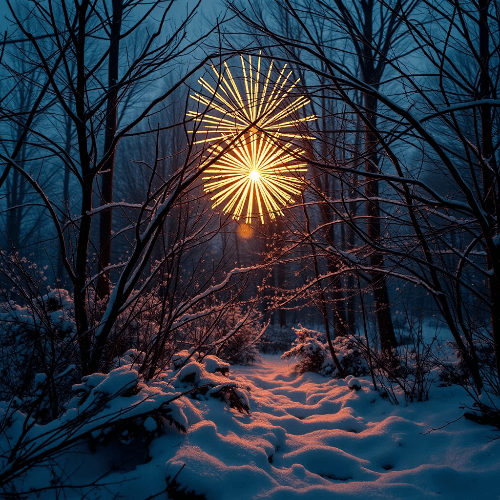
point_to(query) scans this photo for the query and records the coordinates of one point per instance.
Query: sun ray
(252, 167)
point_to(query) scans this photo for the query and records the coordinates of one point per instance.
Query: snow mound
(306, 437)
(310, 437)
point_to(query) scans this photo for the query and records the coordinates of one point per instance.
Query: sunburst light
(256, 169)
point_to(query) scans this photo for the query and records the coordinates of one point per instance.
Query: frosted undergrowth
(306, 437)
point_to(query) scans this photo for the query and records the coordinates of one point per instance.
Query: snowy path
(309, 437)
(306, 438)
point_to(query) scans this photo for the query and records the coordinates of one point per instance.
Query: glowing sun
(254, 175)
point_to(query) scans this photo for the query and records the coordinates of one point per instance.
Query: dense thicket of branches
(100, 191)
(86, 86)
(407, 92)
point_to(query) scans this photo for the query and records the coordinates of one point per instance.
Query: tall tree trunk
(379, 285)
(106, 216)
(490, 193)
(380, 293)
(350, 245)
(327, 216)
(87, 181)
(339, 313)
(14, 214)
(15, 194)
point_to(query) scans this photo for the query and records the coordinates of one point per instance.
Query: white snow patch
(307, 438)
(214, 364)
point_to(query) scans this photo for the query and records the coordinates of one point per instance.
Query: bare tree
(114, 22)
(72, 47)
(19, 210)
(374, 33)
(441, 112)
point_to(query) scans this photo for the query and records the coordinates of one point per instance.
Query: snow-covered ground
(306, 438)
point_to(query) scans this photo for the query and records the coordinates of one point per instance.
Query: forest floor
(309, 437)
(306, 438)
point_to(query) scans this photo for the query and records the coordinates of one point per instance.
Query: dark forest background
(108, 242)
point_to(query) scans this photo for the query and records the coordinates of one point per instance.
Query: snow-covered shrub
(351, 356)
(405, 370)
(119, 392)
(277, 339)
(116, 409)
(106, 408)
(309, 350)
(313, 355)
(205, 377)
(132, 329)
(241, 348)
(452, 369)
(213, 365)
(179, 359)
(38, 351)
(450, 373)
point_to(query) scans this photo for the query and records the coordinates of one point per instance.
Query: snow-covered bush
(406, 370)
(133, 329)
(38, 354)
(241, 348)
(119, 407)
(453, 370)
(207, 378)
(313, 355)
(309, 350)
(450, 373)
(351, 356)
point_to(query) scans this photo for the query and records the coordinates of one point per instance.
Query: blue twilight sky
(209, 9)
(3, 13)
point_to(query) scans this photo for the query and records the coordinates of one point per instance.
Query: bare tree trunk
(327, 215)
(106, 216)
(352, 282)
(489, 192)
(14, 213)
(339, 313)
(380, 293)
(16, 191)
(87, 182)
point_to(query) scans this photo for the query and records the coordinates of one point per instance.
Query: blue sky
(209, 8)
(3, 13)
